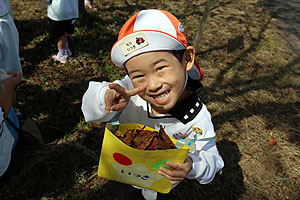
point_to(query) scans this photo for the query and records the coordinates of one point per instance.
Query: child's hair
(152, 30)
(179, 54)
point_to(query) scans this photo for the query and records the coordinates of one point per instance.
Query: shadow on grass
(61, 109)
(34, 45)
(288, 19)
(277, 113)
(282, 113)
(60, 171)
(91, 37)
(228, 185)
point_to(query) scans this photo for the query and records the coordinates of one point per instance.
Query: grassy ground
(252, 93)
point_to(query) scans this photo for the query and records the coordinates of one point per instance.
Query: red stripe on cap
(181, 37)
(127, 28)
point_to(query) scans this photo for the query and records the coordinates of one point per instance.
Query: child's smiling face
(162, 76)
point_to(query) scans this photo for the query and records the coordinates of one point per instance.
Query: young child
(156, 91)
(9, 41)
(62, 15)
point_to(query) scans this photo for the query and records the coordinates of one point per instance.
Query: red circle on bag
(122, 159)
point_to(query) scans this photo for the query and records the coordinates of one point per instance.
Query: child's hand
(178, 171)
(14, 80)
(116, 98)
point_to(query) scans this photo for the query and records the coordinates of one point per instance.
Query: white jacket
(60, 10)
(9, 41)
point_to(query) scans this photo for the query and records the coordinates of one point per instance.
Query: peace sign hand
(116, 97)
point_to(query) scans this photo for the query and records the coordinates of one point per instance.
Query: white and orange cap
(151, 30)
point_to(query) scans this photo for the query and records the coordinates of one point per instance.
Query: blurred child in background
(9, 57)
(9, 41)
(62, 15)
(89, 4)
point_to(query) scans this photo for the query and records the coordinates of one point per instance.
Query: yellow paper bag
(122, 163)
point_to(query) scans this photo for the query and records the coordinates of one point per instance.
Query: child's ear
(189, 57)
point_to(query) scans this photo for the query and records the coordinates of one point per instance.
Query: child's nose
(154, 84)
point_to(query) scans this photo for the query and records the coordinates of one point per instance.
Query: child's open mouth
(162, 98)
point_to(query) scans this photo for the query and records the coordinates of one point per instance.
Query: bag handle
(12, 124)
(27, 137)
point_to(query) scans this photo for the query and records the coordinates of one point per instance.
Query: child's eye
(160, 68)
(137, 76)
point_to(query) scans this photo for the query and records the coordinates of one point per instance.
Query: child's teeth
(163, 96)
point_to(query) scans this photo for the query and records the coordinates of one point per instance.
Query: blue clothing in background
(13, 117)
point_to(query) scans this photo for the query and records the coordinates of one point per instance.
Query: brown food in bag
(146, 139)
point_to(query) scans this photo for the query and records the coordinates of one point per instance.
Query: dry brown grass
(256, 97)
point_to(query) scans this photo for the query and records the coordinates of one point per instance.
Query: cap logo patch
(139, 40)
(133, 43)
(180, 28)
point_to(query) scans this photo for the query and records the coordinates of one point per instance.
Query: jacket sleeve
(206, 163)
(93, 105)
(206, 159)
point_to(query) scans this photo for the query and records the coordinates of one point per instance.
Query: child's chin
(161, 109)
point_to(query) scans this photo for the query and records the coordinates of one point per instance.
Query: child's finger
(107, 109)
(119, 89)
(173, 179)
(135, 91)
(174, 165)
(118, 106)
(109, 99)
(177, 169)
(15, 74)
(12, 72)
